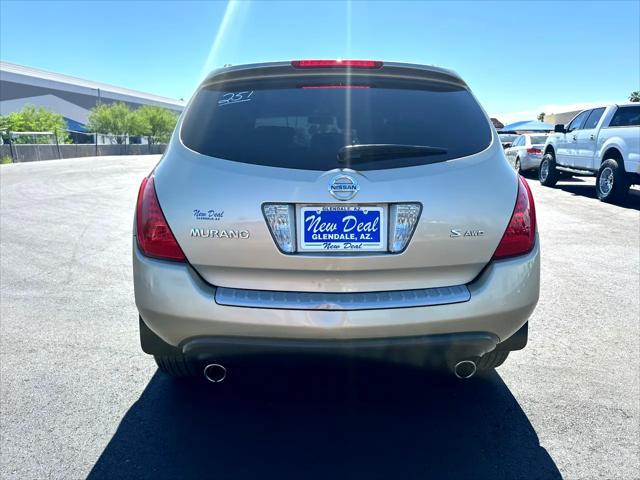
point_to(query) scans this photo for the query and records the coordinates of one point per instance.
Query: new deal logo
(343, 187)
(208, 214)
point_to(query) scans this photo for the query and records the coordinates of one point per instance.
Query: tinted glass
(626, 117)
(507, 137)
(538, 139)
(594, 118)
(577, 122)
(294, 125)
(519, 141)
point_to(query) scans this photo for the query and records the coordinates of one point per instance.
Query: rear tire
(491, 360)
(176, 366)
(518, 166)
(612, 184)
(547, 173)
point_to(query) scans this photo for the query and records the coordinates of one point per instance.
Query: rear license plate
(342, 227)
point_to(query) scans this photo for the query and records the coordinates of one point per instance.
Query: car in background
(507, 138)
(326, 207)
(603, 142)
(525, 153)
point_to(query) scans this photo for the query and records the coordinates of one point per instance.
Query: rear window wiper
(386, 151)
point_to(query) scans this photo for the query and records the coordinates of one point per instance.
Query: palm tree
(635, 96)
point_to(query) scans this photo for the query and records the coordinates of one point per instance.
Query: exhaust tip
(215, 373)
(465, 369)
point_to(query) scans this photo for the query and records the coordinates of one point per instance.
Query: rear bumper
(429, 350)
(419, 351)
(179, 307)
(529, 161)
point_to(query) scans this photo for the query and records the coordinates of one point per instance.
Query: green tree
(4, 128)
(115, 119)
(541, 116)
(4, 123)
(635, 96)
(35, 119)
(156, 123)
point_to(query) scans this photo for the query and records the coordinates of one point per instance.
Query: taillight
(336, 63)
(534, 150)
(155, 238)
(520, 235)
(403, 218)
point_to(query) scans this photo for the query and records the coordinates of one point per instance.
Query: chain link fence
(34, 146)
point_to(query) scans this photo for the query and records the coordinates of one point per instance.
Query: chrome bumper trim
(341, 301)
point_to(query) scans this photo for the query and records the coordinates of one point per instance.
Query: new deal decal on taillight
(336, 63)
(520, 235)
(155, 238)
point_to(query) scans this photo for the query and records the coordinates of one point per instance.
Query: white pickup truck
(602, 142)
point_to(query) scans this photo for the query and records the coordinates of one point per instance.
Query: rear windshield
(304, 124)
(538, 139)
(626, 117)
(507, 137)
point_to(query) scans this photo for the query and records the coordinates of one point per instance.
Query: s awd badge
(455, 232)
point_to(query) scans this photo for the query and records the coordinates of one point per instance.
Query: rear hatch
(336, 180)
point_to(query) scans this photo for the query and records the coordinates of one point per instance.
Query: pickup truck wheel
(612, 183)
(547, 173)
(492, 360)
(175, 365)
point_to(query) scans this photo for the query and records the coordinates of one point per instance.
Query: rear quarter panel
(624, 139)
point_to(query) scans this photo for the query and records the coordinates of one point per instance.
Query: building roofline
(59, 78)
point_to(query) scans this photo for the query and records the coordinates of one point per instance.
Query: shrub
(156, 123)
(35, 119)
(115, 119)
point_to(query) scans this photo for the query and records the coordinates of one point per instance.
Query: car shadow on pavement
(374, 422)
(571, 180)
(632, 200)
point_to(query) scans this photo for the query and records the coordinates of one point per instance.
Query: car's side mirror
(559, 128)
(506, 145)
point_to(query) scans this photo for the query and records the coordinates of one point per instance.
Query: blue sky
(518, 57)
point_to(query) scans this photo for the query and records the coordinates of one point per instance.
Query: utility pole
(55, 135)
(96, 133)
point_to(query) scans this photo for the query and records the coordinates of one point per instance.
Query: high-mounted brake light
(336, 63)
(335, 86)
(520, 235)
(155, 238)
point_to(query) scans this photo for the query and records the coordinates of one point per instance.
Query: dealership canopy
(527, 125)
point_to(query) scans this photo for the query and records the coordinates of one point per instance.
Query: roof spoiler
(273, 70)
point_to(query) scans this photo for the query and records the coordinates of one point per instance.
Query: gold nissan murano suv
(356, 209)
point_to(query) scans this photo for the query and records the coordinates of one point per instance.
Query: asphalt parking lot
(79, 398)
